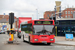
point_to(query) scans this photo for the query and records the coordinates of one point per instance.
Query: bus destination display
(43, 22)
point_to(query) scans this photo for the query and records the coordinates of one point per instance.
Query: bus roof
(23, 19)
(43, 20)
(26, 22)
(66, 19)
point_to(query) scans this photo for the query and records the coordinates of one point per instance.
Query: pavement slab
(63, 41)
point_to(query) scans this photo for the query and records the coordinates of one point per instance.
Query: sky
(31, 8)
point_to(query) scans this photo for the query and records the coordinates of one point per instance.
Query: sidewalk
(62, 41)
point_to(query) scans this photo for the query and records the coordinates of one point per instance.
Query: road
(27, 46)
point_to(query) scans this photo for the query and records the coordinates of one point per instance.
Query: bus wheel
(23, 39)
(48, 43)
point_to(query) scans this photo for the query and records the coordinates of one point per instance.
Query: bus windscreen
(43, 22)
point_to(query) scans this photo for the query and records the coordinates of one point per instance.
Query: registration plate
(44, 41)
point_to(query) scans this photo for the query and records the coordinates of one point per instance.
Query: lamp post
(37, 13)
(3, 15)
(55, 13)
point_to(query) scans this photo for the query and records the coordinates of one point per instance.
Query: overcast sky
(27, 8)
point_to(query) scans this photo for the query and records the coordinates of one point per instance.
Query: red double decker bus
(38, 31)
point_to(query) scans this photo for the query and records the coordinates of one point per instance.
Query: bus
(20, 20)
(38, 31)
(65, 26)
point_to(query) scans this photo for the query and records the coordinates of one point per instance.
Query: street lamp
(37, 13)
(3, 15)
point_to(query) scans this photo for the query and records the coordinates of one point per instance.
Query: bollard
(10, 38)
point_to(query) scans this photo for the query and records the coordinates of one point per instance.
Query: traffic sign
(69, 36)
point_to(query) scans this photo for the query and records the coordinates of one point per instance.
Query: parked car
(2, 32)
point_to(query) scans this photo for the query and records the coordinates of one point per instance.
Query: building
(73, 15)
(67, 13)
(4, 20)
(49, 14)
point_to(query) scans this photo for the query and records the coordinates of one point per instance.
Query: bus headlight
(51, 39)
(36, 39)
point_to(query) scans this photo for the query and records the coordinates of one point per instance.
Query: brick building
(67, 13)
(4, 20)
(48, 14)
